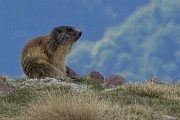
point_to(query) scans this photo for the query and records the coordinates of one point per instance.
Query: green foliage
(92, 83)
(21, 96)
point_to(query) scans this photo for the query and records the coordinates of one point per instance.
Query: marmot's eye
(69, 29)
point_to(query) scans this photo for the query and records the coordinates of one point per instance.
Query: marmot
(44, 56)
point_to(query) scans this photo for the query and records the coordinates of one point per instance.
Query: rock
(50, 80)
(74, 86)
(53, 81)
(167, 117)
(4, 87)
(97, 76)
(113, 81)
(154, 80)
(71, 73)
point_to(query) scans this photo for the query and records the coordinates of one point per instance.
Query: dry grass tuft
(146, 90)
(72, 107)
(153, 91)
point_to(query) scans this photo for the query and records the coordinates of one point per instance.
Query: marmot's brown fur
(44, 56)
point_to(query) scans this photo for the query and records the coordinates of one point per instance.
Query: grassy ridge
(34, 101)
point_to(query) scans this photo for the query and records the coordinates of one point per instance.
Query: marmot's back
(44, 56)
(33, 48)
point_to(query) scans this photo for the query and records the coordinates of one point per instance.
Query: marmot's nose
(80, 33)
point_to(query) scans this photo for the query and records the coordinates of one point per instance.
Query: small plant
(92, 83)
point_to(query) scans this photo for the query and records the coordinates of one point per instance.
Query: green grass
(92, 83)
(35, 101)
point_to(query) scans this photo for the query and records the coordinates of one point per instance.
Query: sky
(133, 38)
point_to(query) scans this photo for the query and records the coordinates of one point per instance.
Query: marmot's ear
(58, 30)
(54, 33)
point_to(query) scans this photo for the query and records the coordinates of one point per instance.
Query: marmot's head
(65, 35)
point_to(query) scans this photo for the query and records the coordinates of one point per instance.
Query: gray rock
(167, 117)
(50, 81)
(154, 80)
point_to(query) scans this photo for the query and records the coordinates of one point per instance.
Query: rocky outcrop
(53, 81)
(113, 81)
(71, 73)
(154, 80)
(94, 78)
(97, 76)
